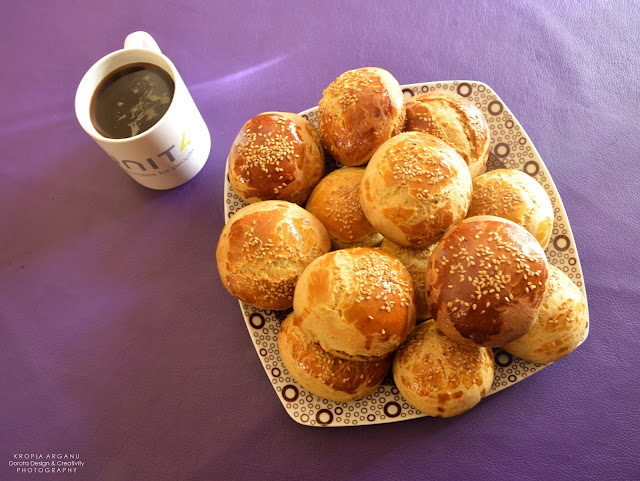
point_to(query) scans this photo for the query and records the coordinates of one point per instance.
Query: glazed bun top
(516, 196)
(561, 324)
(359, 111)
(415, 188)
(276, 156)
(335, 201)
(357, 303)
(485, 281)
(455, 120)
(441, 377)
(324, 374)
(264, 248)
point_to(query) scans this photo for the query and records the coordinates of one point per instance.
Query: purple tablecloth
(118, 342)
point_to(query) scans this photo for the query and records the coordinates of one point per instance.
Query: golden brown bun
(416, 261)
(357, 303)
(561, 323)
(516, 196)
(414, 188)
(441, 377)
(336, 203)
(455, 120)
(276, 155)
(485, 281)
(322, 373)
(264, 248)
(359, 111)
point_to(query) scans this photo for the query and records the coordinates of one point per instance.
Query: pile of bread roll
(408, 230)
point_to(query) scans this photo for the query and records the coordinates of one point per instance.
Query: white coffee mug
(173, 150)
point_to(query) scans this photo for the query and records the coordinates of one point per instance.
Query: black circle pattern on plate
(532, 168)
(464, 89)
(495, 163)
(324, 417)
(501, 150)
(256, 320)
(392, 409)
(503, 358)
(282, 315)
(275, 372)
(290, 393)
(561, 243)
(408, 93)
(495, 107)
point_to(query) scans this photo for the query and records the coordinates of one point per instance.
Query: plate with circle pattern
(510, 148)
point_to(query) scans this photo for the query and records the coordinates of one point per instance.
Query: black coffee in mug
(131, 100)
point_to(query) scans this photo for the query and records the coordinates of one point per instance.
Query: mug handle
(141, 40)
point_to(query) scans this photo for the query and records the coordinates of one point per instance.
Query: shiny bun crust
(416, 261)
(357, 303)
(359, 111)
(276, 156)
(264, 248)
(485, 281)
(455, 120)
(414, 188)
(441, 377)
(516, 196)
(322, 373)
(561, 323)
(335, 201)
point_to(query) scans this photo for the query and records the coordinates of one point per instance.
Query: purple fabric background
(117, 339)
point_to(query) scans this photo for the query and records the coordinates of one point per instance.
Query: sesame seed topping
(267, 150)
(373, 275)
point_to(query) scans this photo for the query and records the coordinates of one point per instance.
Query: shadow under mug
(173, 150)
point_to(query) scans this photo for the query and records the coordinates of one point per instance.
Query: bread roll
(335, 201)
(560, 325)
(416, 261)
(516, 196)
(359, 111)
(438, 376)
(485, 281)
(357, 303)
(414, 188)
(264, 248)
(455, 120)
(276, 156)
(322, 373)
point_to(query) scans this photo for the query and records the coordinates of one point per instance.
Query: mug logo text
(183, 144)
(149, 161)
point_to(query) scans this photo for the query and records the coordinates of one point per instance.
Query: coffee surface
(131, 100)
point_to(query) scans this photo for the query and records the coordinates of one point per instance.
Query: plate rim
(562, 213)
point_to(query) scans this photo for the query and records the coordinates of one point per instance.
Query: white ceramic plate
(510, 148)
